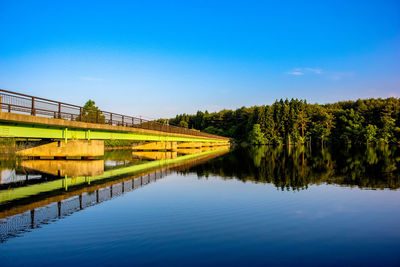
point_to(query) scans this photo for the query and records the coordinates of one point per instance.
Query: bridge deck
(27, 126)
(33, 117)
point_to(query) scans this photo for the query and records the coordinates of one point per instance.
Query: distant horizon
(159, 59)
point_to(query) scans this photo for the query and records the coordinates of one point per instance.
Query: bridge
(68, 130)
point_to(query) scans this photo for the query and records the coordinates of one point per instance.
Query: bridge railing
(26, 104)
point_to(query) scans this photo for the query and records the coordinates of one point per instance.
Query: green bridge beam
(16, 130)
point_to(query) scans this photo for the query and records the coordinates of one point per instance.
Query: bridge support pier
(170, 146)
(61, 149)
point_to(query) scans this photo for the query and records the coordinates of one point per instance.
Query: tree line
(298, 122)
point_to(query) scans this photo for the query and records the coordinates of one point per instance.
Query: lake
(248, 206)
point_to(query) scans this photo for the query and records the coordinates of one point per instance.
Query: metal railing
(26, 104)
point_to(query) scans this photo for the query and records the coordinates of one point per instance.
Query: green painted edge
(24, 131)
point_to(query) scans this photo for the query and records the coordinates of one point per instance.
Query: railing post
(80, 114)
(110, 118)
(33, 107)
(1, 103)
(59, 110)
(122, 120)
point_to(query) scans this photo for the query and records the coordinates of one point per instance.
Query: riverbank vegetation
(298, 122)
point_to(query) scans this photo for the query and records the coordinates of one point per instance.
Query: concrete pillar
(171, 146)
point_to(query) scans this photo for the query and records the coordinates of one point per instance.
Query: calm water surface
(251, 206)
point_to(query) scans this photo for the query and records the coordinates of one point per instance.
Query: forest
(298, 122)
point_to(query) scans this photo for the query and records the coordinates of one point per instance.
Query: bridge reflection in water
(28, 207)
(71, 168)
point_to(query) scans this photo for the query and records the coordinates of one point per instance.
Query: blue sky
(160, 58)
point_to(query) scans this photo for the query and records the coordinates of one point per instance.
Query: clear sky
(160, 58)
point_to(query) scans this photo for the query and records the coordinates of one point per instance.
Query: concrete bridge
(75, 131)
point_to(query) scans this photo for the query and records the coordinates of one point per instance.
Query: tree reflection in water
(295, 168)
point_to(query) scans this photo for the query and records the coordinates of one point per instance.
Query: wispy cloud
(297, 73)
(316, 71)
(337, 76)
(91, 79)
(330, 75)
(303, 71)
